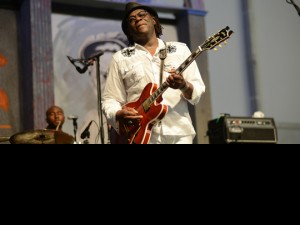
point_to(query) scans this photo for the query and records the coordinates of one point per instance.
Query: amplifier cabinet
(242, 130)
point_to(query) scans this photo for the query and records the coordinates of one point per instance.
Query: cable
(97, 138)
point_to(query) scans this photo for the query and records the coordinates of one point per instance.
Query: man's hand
(175, 81)
(128, 116)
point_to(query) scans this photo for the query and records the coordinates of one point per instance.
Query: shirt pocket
(167, 69)
(169, 66)
(133, 74)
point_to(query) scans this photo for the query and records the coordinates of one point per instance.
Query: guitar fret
(152, 99)
(188, 61)
(155, 96)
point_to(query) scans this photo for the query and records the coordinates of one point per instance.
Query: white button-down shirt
(131, 69)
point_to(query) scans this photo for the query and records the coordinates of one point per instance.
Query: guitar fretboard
(209, 44)
(165, 85)
(189, 61)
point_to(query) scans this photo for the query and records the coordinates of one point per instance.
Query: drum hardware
(41, 137)
(4, 139)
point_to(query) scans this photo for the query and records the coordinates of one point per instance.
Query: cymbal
(41, 137)
(4, 139)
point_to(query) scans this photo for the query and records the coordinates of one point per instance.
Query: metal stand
(99, 92)
(86, 63)
(75, 125)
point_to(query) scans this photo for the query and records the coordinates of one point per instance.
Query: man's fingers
(129, 111)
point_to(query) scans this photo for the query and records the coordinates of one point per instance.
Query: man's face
(55, 116)
(141, 22)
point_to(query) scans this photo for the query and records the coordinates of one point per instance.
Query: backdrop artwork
(4, 102)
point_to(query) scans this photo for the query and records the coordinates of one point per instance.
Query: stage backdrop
(9, 75)
(195, 4)
(76, 93)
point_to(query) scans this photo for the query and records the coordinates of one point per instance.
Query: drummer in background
(55, 118)
(53, 134)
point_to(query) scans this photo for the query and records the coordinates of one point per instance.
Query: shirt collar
(161, 45)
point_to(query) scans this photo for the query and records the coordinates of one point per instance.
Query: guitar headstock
(217, 39)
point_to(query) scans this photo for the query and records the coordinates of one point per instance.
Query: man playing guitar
(163, 118)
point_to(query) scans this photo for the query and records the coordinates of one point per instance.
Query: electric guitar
(148, 105)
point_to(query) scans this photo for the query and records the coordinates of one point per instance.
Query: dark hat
(132, 6)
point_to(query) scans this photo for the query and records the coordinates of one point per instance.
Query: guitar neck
(209, 44)
(179, 70)
(189, 61)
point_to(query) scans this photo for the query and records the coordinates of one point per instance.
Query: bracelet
(185, 88)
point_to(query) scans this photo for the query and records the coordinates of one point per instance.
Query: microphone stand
(75, 128)
(87, 63)
(100, 114)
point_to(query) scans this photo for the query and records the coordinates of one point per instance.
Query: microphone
(86, 132)
(85, 62)
(80, 70)
(72, 117)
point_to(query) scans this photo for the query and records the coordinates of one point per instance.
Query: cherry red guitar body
(140, 133)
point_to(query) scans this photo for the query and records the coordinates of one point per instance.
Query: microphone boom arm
(85, 62)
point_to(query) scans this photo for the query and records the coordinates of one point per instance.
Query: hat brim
(146, 8)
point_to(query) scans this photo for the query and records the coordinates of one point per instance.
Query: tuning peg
(215, 49)
(225, 42)
(220, 46)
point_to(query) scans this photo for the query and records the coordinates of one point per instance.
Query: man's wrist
(185, 88)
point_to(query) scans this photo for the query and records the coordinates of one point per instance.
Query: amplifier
(242, 130)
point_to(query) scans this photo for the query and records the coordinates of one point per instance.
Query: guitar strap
(162, 56)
